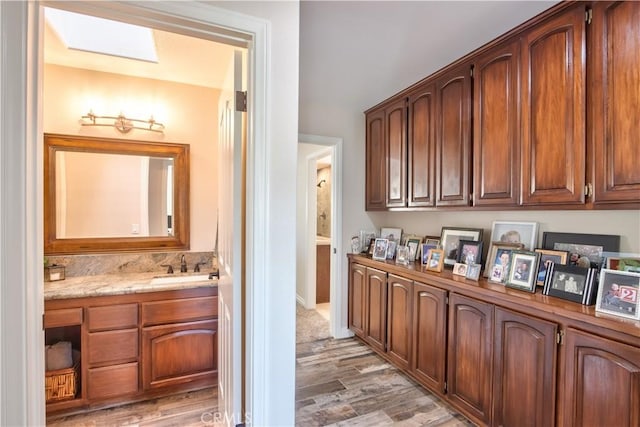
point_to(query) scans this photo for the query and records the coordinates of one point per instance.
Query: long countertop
(117, 284)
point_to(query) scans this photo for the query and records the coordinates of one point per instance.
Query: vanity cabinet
(137, 346)
(504, 357)
(177, 345)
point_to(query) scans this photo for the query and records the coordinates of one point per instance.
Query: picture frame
(473, 271)
(496, 249)
(548, 256)
(470, 252)
(450, 240)
(460, 269)
(435, 260)
(380, 249)
(391, 234)
(413, 243)
(571, 282)
(425, 251)
(432, 240)
(618, 293)
(624, 263)
(585, 250)
(522, 270)
(515, 232)
(402, 255)
(391, 249)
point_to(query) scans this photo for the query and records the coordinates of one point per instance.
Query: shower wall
(324, 202)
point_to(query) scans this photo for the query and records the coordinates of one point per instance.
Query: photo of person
(515, 232)
(380, 249)
(568, 283)
(502, 259)
(460, 269)
(619, 293)
(434, 260)
(523, 269)
(548, 257)
(425, 251)
(470, 252)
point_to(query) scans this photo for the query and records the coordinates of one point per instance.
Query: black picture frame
(472, 245)
(609, 242)
(450, 239)
(571, 282)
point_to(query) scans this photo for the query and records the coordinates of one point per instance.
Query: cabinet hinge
(588, 190)
(559, 337)
(241, 101)
(588, 16)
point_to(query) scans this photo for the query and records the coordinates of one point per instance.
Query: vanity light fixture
(121, 122)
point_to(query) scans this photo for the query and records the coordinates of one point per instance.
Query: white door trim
(337, 293)
(21, 216)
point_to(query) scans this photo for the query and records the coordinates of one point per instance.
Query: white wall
(356, 54)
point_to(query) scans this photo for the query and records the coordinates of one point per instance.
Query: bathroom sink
(180, 279)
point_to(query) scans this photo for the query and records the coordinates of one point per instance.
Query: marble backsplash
(140, 262)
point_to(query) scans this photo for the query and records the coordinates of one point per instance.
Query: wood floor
(338, 383)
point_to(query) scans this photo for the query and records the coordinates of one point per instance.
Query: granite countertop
(119, 284)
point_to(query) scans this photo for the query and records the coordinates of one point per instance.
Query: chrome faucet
(183, 265)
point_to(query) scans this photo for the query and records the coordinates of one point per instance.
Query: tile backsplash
(139, 262)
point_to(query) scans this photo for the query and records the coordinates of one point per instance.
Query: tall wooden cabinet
(553, 110)
(376, 172)
(614, 105)
(421, 146)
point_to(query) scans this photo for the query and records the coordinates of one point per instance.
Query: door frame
(337, 294)
(21, 216)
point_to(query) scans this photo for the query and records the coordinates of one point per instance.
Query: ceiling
(181, 59)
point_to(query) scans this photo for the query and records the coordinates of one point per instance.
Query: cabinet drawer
(113, 381)
(63, 317)
(179, 310)
(113, 346)
(112, 317)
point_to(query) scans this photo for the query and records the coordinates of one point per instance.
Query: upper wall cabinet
(496, 127)
(453, 137)
(546, 116)
(553, 110)
(615, 100)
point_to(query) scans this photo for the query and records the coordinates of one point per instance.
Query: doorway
(319, 229)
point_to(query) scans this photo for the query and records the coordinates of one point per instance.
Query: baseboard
(343, 333)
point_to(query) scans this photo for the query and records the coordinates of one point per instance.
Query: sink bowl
(180, 279)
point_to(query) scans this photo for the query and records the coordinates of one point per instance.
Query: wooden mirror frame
(59, 246)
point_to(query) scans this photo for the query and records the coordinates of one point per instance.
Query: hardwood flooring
(338, 383)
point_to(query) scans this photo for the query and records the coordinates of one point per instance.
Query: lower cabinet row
(495, 365)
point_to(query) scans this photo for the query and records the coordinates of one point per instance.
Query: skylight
(98, 35)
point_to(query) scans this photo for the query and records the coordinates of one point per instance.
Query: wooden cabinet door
(376, 163)
(376, 304)
(469, 371)
(357, 285)
(179, 353)
(453, 137)
(524, 370)
(602, 381)
(421, 146)
(429, 335)
(399, 296)
(614, 59)
(496, 136)
(396, 151)
(553, 110)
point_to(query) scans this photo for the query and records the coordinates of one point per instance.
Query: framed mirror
(114, 195)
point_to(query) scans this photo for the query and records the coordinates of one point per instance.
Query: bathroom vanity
(138, 337)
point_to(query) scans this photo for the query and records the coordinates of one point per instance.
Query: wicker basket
(62, 384)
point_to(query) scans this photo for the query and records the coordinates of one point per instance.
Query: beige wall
(188, 112)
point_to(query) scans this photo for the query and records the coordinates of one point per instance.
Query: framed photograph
(366, 240)
(473, 271)
(394, 234)
(402, 255)
(450, 240)
(631, 264)
(460, 269)
(618, 293)
(380, 249)
(498, 256)
(585, 250)
(570, 282)
(548, 256)
(391, 249)
(413, 243)
(425, 251)
(470, 252)
(522, 270)
(515, 232)
(432, 240)
(435, 260)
